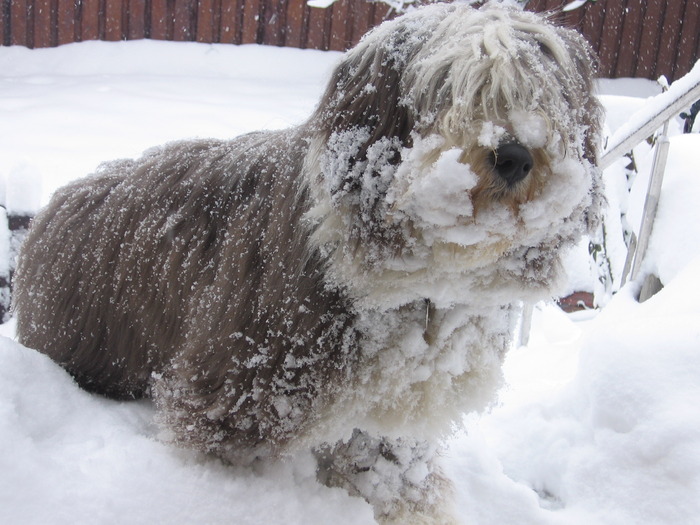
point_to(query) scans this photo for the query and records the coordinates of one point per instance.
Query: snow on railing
(659, 109)
(654, 115)
(642, 124)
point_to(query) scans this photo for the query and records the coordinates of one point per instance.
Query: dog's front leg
(398, 477)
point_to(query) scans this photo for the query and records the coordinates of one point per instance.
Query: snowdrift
(599, 422)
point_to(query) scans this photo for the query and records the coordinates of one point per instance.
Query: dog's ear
(366, 89)
(361, 126)
(577, 73)
(578, 77)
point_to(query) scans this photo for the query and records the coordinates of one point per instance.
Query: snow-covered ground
(599, 423)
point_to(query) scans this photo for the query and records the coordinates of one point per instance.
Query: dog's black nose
(512, 162)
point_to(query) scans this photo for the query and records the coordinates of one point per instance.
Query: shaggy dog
(350, 285)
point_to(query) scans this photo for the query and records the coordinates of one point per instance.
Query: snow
(677, 97)
(82, 104)
(599, 420)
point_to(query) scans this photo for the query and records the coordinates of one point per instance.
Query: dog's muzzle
(512, 162)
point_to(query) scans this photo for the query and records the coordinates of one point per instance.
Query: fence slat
(648, 44)
(361, 20)
(270, 22)
(231, 22)
(380, 13)
(160, 20)
(341, 26)
(592, 25)
(629, 39)
(88, 23)
(282, 24)
(316, 26)
(184, 20)
(136, 17)
(205, 21)
(113, 21)
(66, 12)
(5, 31)
(295, 23)
(251, 18)
(42, 24)
(574, 19)
(689, 40)
(610, 38)
(668, 39)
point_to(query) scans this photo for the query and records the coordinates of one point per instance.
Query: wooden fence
(635, 38)
(45, 23)
(638, 38)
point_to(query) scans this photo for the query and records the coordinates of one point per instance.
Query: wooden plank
(327, 25)
(5, 28)
(575, 20)
(42, 24)
(230, 21)
(536, 6)
(184, 20)
(160, 26)
(669, 39)
(204, 32)
(250, 22)
(89, 22)
(611, 36)
(316, 23)
(113, 20)
(382, 12)
(592, 27)
(648, 45)
(689, 42)
(279, 21)
(216, 21)
(630, 35)
(136, 19)
(341, 26)
(66, 21)
(295, 23)
(361, 20)
(269, 26)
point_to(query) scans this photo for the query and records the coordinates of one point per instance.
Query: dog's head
(453, 157)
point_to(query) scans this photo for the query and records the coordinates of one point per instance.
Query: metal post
(652, 200)
(525, 324)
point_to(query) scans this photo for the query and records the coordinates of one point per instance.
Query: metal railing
(655, 115)
(644, 123)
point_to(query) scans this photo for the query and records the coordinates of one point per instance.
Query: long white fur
(498, 79)
(437, 319)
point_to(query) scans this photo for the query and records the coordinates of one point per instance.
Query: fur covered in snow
(349, 285)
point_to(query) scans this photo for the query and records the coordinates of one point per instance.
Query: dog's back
(58, 272)
(108, 271)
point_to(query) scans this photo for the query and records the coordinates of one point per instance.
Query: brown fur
(155, 252)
